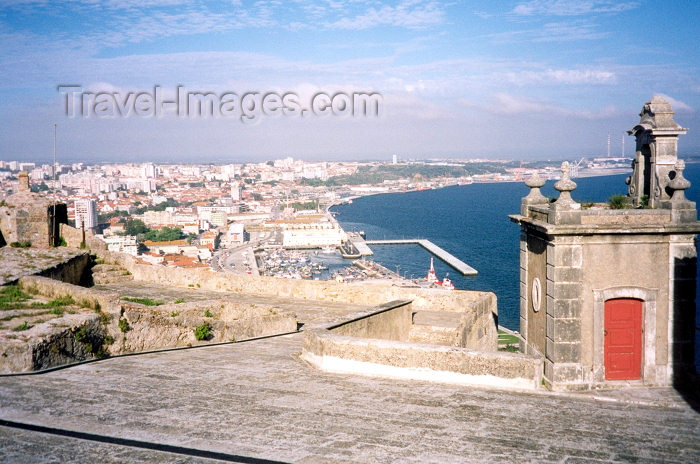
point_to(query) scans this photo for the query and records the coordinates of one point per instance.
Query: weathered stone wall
(56, 347)
(165, 326)
(393, 323)
(480, 306)
(173, 325)
(74, 238)
(71, 271)
(343, 354)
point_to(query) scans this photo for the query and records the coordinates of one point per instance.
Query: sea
(471, 222)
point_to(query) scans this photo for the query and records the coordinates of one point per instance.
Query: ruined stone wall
(133, 327)
(361, 293)
(54, 348)
(74, 238)
(71, 271)
(480, 309)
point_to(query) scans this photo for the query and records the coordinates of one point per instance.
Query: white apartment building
(85, 214)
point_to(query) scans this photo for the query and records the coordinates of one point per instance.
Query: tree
(135, 227)
(166, 234)
(257, 197)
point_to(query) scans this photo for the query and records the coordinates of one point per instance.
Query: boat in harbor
(433, 281)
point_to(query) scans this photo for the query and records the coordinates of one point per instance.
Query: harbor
(438, 252)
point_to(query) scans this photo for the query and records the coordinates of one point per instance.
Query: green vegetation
(104, 217)
(179, 300)
(308, 205)
(208, 313)
(257, 197)
(203, 332)
(139, 229)
(376, 174)
(135, 227)
(169, 203)
(62, 242)
(644, 201)
(165, 234)
(61, 301)
(174, 314)
(619, 202)
(23, 326)
(124, 325)
(22, 244)
(508, 342)
(11, 296)
(92, 341)
(143, 301)
(39, 188)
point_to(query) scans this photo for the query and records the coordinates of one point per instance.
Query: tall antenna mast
(54, 169)
(54, 233)
(608, 144)
(623, 146)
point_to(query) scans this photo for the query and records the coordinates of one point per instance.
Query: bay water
(471, 222)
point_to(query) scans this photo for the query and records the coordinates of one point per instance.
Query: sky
(534, 79)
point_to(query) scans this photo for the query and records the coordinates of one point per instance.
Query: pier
(458, 264)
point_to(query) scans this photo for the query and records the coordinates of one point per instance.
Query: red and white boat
(432, 279)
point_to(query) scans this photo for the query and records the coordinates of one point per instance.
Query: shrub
(208, 313)
(22, 244)
(619, 202)
(93, 342)
(124, 325)
(174, 314)
(179, 300)
(203, 332)
(62, 242)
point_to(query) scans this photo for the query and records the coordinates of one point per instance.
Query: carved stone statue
(656, 154)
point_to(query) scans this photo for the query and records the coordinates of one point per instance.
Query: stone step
(437, 318)
(446, 336)
(103, 278)
(107, 268)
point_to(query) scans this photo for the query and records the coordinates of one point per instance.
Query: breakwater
(448, 258)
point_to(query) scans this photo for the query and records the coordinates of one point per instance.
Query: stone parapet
(394, 359)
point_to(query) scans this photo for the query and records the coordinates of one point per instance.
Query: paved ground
(257, 402)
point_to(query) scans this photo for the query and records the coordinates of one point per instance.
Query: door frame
(648, 297)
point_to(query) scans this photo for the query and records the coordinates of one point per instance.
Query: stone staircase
(436, 328)
(103, 274)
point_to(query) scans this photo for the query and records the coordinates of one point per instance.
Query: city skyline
(512, 79)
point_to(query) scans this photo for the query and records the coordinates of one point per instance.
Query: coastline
(584, 173)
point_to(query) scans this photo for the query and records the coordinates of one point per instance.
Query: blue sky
(499, 79)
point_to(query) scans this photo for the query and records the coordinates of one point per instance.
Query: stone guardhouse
(607, 296)
(26, 216)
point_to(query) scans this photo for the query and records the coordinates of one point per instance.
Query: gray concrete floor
(256, 401)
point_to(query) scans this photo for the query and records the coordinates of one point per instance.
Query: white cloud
(677, 105)
(553, 32)
(507, 104)
(411, 14)
(571, 7)
(563, 76)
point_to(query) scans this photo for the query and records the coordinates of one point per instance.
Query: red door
(623, 339)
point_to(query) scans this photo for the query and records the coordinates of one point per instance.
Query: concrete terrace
(257, 402)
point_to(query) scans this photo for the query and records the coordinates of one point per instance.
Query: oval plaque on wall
(536, 294)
